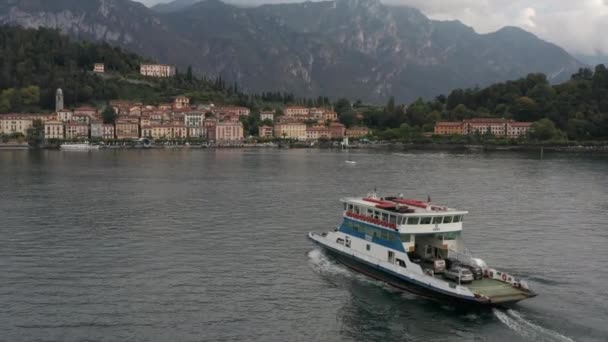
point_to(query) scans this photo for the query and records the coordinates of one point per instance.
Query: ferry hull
(377, 273)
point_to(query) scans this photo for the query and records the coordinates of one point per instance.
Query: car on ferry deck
(459, 274)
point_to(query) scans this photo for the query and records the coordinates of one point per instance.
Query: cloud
(577, 25)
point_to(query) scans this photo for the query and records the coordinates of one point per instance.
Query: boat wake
(518, 323)
(321, 264)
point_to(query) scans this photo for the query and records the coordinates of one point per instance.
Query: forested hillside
(576, 109)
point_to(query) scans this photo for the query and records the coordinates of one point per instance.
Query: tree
(35, 134)
(189, 76)
(544, 130)
(342, 105)
(348, 118)
(108, 115)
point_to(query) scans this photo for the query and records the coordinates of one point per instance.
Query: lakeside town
(219, 125)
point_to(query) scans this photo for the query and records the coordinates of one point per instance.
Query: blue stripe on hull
(399, 282)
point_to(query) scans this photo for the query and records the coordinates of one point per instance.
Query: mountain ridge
(344, 48)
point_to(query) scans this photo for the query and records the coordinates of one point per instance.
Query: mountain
(173, 6)
(344, 48)
(599, 58)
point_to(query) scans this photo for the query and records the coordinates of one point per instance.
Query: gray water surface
(191, 245)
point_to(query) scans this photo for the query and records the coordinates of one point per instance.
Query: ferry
(417, 246)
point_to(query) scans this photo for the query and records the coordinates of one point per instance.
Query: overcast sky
(580, 26)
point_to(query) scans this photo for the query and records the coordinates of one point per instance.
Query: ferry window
(384, 217)
(425, 220)
(413, 220)
(370, 212)
(350, 207)
(384, 235)
(461, 218)
(393, 219)
(406, 238)
(357, 210)
(367, 247)
(437, 220)
(376, 215)
(447, 219)
(456, 219)
(345, 206)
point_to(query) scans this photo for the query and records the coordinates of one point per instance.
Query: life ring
(504, 277)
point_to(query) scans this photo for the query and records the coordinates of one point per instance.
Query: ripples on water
(210, 245)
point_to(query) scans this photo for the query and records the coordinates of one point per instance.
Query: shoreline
(600, 149)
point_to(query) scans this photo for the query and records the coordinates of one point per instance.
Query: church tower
(59, 100)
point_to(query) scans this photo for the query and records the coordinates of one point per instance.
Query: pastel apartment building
(181, 102)
(15, 124)
(338, 130)
(99, 68)
(290, 130)
(126, 129)
(267, 115)
(265, 131)
(157, 70)
(54, 130)
(76, 131)
(449, 128)
(497, 127)
(318, 132)
(296, 112)
(357, 132)
(226, 132)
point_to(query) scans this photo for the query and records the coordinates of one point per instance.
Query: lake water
(210, 245)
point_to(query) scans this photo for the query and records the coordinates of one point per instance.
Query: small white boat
(79, 147)
(352, 162)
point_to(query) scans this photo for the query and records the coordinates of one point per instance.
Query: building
(296, 112)
(126, 129)
(181, 102)
(54, 130)
(267, 115)
(481, 126)
(64, 115)
(330, 115)
(357, 132)
(157, 70)
(337, 129)
(196, 132)
(518, 129)
(232, 111)
(99, 68)
(76, 131)
(97, 129)
(170, 130)
(85, 111)
(82, 118)
(194, 119)
(449, 128)
(15, 124)
(108, 131)
(265, 131)
(318, 132)
(497, 127)
(226, 132)
(290, 130)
